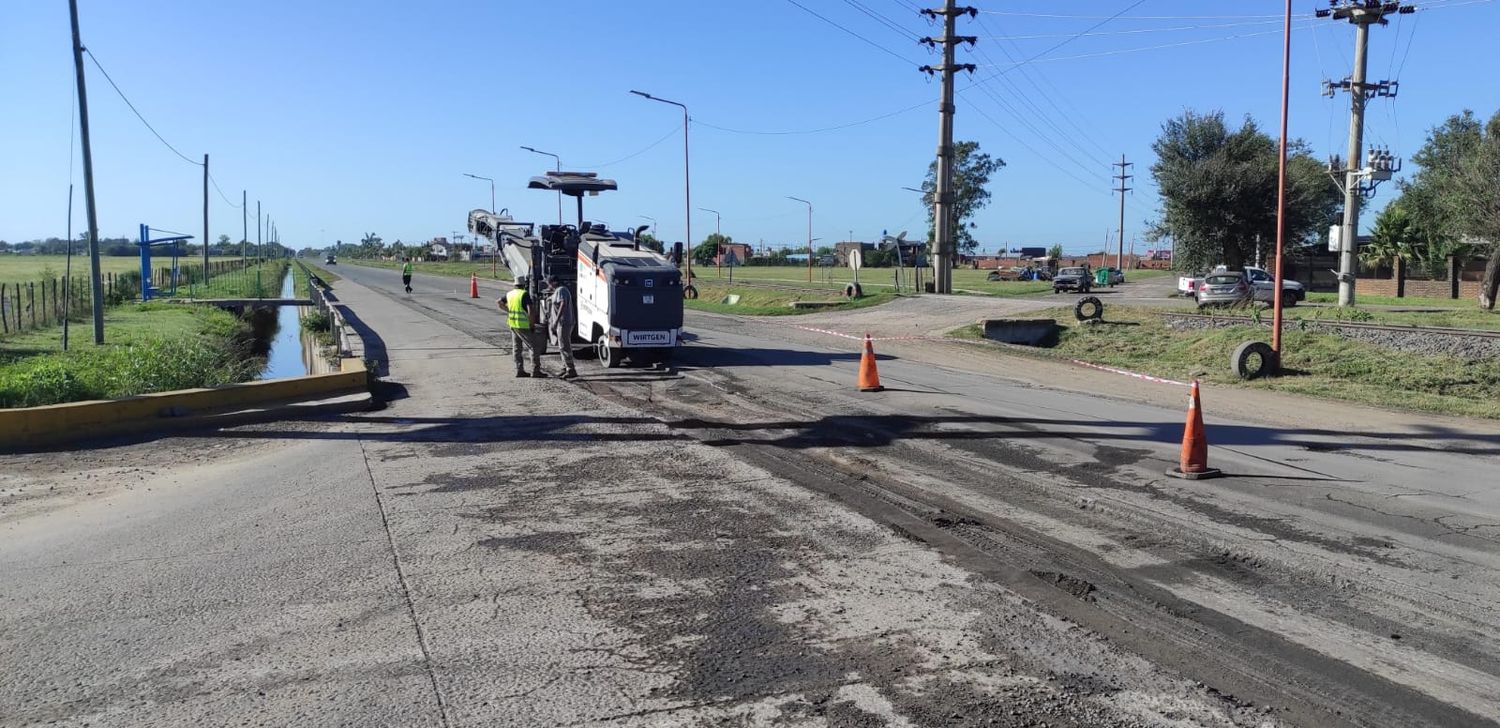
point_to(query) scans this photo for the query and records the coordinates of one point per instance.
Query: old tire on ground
(609, 356)
(1089, 308)
(1253, 360)
(690, 292)
(853, 290)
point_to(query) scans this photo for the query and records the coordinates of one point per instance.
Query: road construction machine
(629, 298)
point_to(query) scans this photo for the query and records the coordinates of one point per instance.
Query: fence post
(1455, 272)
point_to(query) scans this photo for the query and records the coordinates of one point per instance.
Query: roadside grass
(1471, 317)
(1393, 301)
(754, 301)
(150, 347)
(450, 269)
(253, 281)
(1320, 364)
(328, 276)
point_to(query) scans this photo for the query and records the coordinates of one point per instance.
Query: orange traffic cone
(1193, 462)
(869, 378)
(473, 285)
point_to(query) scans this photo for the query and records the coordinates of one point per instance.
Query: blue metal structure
(145, 243)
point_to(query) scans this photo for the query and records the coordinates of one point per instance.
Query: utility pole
(943, 238)
(1122, 189)
(257, 228)
(244, 224)
(205, 219)
(1361, 14)
(96, 281)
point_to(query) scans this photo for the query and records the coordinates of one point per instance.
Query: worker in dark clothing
(562, 323)
(518, 309)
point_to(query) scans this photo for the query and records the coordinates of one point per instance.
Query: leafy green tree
(1055, 251)
(649, 242)
(1218, 190)
(972, 170)
(706, 251)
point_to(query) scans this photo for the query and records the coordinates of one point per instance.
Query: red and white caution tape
(1137, 375)
(861, 338)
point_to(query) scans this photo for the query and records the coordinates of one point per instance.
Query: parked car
(1073, 279)
(1292, 292)
(1223, 288)
(1013, 273)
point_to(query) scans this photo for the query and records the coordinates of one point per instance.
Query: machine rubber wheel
(854, 290)
(1088, 308)
(690, 292)
(609, 356)
(1253, 360)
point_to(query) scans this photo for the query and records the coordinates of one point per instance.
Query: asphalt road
(746, 539)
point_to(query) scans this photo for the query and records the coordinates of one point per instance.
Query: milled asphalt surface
(492, 551)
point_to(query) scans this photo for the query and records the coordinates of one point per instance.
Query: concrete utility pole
(809, 234)
(205, 219)
(1362, 14)
(244, 223)
(943, 232)
(1122, 189)
(257, 228)
(96, 281)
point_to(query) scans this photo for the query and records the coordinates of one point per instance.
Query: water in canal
(285, 358)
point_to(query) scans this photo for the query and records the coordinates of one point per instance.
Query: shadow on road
(864, 431)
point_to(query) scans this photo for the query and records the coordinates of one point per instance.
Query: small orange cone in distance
(869, 378)
(1192, 464)
(473, 285)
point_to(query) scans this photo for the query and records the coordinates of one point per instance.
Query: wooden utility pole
(205, 219)
(257, 227)
(943, 222)
(96, 281)
(1362, 14)
(1122, 189)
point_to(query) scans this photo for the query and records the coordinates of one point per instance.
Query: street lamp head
(643, 94)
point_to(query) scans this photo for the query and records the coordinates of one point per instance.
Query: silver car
(1224, 288)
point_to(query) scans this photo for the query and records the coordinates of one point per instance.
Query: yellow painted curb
(76, 420)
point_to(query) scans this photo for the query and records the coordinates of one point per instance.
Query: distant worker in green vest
(406, 275)
(518, 309)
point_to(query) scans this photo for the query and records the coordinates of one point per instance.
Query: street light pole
(687, 185)
(718, 246)
(492, 189)
(809, 234)
(557, 166)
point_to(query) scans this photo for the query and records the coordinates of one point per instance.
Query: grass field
(148, 348)
(755, 301)
(29, 268)
(1364, 300)
(1466, 317)
(1323, 365)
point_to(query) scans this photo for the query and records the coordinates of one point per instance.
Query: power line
(137, 112)
(631, 156)
(838, 127)
(871, 43)
(1137, 17)
(883, 20)
(221, 192)
(1136, 31)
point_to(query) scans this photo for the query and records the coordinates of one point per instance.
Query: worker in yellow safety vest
(518, 309)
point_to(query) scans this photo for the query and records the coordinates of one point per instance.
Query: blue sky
(344, 118)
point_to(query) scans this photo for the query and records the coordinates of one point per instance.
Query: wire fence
(46, 302)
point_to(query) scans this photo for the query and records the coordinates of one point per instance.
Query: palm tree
(1390, 239)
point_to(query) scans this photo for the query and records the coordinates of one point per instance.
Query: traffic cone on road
(1192, 464)
(473, 285)
(869, 378)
